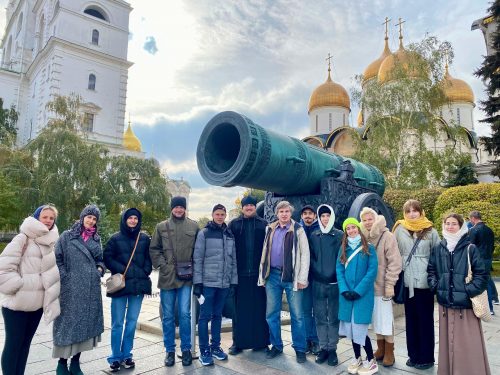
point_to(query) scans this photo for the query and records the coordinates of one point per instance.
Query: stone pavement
(149, 352)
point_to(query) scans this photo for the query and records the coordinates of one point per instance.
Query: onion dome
(372, 70)
(130, 140)
(456, 90)
(329, 94)
(406, 59)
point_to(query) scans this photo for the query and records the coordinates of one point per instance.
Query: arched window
(19, 24)
(330, 122)
(458, 116)
(96, 12)
(316, 123)
(91, 85)
(95, 37)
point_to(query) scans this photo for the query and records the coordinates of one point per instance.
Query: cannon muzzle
(234, 151)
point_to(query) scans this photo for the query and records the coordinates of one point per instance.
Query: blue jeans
(211, 309)
(167, 300)
(126, 308)
(274, 293)
(307, 308)
(489, 289)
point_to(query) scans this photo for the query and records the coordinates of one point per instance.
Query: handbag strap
(131, 256)
(358, 249)
(414, 248)
(380, 239)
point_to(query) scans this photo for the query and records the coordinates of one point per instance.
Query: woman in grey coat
(79, 258)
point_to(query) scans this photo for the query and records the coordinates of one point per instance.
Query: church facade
(61, 47)
(329, 109)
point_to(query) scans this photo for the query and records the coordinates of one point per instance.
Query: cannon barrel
(234, 151)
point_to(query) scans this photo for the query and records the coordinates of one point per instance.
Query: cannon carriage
(234, 151)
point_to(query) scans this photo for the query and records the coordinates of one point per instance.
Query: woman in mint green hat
(356, 273)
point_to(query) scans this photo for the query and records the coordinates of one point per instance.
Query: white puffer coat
(29, 277)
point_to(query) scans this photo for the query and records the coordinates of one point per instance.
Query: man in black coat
(250, 329)
(483, 237)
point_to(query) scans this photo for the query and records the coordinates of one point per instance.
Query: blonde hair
(50, 207)
(281, 205)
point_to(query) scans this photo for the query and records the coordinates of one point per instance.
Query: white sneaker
(355, 365)
(369, 367)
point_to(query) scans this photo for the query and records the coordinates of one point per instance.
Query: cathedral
(330, 107)
(60, 47)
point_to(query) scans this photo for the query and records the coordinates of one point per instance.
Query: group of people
(336, 282)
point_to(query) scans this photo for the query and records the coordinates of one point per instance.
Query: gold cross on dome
(386, 23)
(329, 59)
(400, 24)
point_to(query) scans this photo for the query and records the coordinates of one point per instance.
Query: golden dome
(372, 70)
(329, 94)
(130, 141)
(407, 60)
(457, 90)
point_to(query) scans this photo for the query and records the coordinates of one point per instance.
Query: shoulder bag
(480, 304)
(183, 270)
(399, 288)
(116, 282)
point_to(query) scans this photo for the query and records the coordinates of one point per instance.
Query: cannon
(234, 151)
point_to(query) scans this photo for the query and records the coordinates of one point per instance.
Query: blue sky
(193, 59)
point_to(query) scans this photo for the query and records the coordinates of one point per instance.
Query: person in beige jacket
(29, 280)
(373, 226)
(284, 266)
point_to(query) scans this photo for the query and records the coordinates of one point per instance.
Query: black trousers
(419, 312)
(20, 327)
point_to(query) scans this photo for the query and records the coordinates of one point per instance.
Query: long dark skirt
(461, 343)
(250, 329)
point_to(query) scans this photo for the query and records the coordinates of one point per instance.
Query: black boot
(74, 368)
(170, 359)
(322, 356)
(187, 358)
(332, 358)
(234, 350)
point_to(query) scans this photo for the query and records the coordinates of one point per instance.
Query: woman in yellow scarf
(415, 235)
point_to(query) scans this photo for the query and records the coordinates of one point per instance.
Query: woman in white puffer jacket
(29, 281)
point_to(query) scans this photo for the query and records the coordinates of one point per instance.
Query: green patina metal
(234, 151)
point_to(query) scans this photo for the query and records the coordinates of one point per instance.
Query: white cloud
(202, 200)
(178, 168)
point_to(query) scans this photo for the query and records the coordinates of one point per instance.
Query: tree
(203, 221)
(8, 120)
(132, 182)
(489, 73)
(462, 175)
(403, 133)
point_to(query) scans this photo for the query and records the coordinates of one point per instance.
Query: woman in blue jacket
(356, 272)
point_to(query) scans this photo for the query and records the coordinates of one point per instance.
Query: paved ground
(149, 352)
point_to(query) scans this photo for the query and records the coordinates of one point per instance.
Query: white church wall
(459, 114)
(325, 119)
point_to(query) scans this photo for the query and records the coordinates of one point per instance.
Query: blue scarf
(354, 242)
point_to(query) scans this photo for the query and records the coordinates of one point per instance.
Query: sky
(194, 59)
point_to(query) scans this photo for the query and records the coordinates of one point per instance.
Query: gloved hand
(351, 296)
(347, 295)
(198, 290)
(354, 296)
(232, 290)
